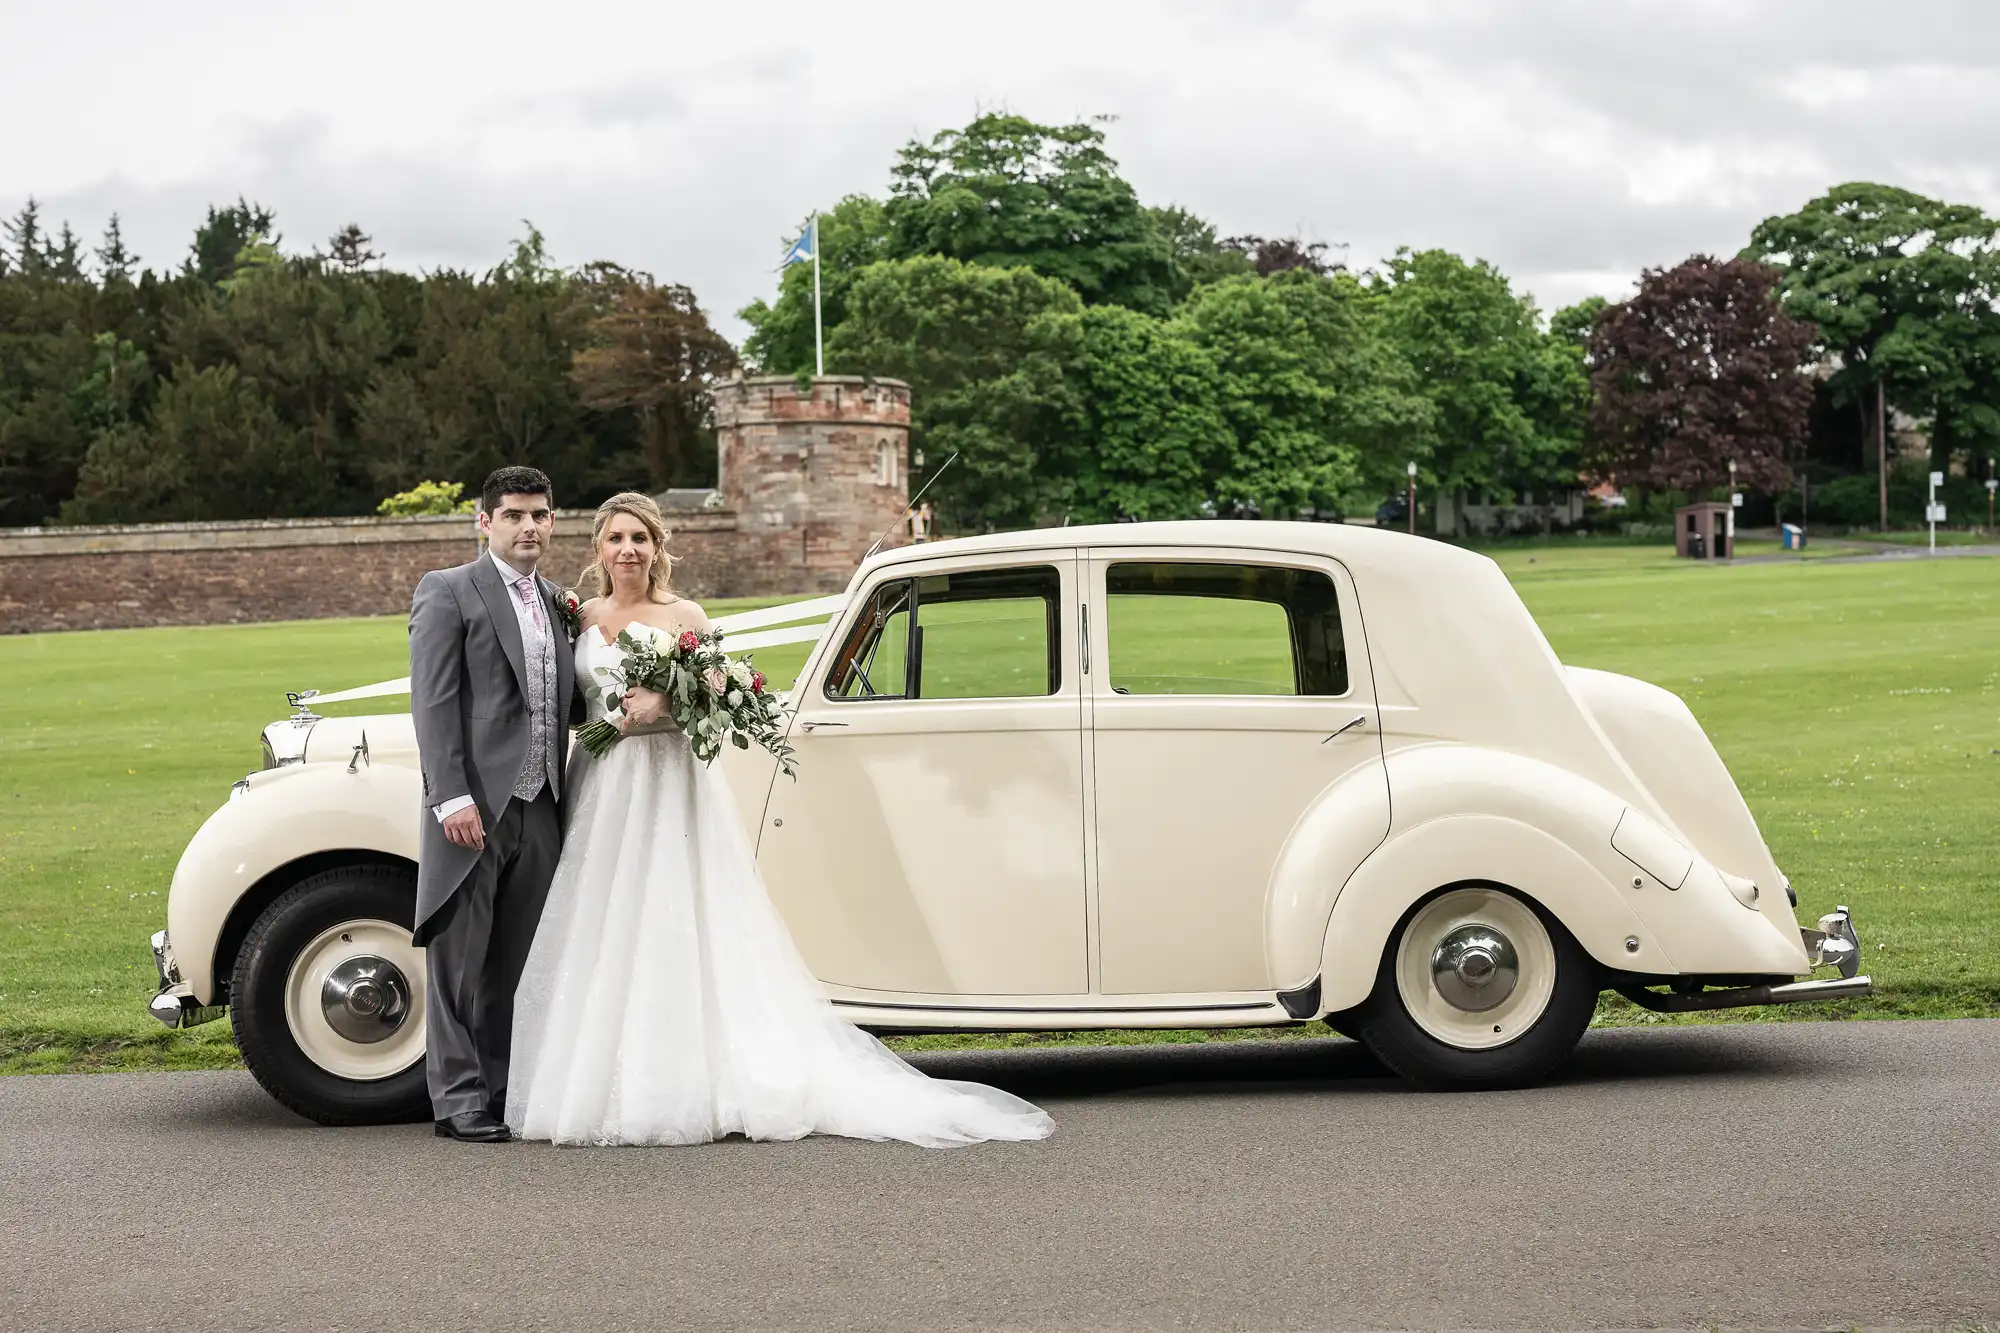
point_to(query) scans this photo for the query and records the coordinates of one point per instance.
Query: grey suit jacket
(467, 665)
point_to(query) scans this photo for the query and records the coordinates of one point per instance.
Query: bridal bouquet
(711, 697)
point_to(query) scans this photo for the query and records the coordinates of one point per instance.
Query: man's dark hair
(514, 481)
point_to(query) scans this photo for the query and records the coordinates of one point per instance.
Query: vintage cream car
(1176, 775)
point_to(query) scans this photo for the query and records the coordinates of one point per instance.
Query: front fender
(285, 814)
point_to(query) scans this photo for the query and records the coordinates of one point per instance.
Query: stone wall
(808, 482)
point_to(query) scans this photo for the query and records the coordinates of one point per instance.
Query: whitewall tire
(1478, 988)
(327, 998)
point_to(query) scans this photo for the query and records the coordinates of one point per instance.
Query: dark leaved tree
(1699, 368)
(1281, 254)
(653, 353)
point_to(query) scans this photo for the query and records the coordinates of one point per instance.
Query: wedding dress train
(664, 1001)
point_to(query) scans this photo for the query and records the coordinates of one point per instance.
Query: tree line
(1083, 354)
(252, 382)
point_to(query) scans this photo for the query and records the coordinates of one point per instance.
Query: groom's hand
(463, 827)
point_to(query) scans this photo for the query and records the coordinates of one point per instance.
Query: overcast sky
(1571, 142)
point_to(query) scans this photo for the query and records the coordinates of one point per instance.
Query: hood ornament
(297, 699)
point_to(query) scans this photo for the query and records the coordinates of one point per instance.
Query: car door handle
(810, 725)
(1348, 726)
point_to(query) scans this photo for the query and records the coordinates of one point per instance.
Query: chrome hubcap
(1475, 968)
(365, 999)
(354, 1000)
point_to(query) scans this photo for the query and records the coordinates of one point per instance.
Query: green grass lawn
(1858, 706)
(1922, 537)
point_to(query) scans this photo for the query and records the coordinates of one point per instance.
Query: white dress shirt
(530, 629)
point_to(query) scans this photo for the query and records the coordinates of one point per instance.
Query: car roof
(1363, 549)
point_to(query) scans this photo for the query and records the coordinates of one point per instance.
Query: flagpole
(819, 348)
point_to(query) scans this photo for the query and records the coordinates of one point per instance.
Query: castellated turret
(813, 476)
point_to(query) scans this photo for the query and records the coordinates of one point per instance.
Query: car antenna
(911, 507)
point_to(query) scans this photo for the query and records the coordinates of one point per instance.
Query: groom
(492, 694)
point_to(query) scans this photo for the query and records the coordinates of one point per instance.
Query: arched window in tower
(886, 469)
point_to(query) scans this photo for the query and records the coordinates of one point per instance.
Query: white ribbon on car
(821, 609)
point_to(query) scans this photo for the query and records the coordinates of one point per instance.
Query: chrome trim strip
(1055, 1009)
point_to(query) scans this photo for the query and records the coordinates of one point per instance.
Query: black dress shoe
(471, 1127)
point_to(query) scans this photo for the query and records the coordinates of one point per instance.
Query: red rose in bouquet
(711, 698)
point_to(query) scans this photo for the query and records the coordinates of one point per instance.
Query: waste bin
(1697, 546)
(1791, 537)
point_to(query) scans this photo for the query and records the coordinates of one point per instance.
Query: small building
(1703, 530)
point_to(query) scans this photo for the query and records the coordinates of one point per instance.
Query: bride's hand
(642, 707)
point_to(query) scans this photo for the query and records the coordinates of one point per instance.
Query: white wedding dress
(663, 999)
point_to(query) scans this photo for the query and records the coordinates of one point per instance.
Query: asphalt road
(1780, 1176)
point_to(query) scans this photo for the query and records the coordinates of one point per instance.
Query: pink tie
(526, 587)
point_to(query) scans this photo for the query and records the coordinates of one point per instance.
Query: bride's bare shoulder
(590, 610)
(676, 614)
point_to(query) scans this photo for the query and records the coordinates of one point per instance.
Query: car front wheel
(327, 998)
(1478, 989)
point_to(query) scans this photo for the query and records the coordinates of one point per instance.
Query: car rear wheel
(1478, 989)
(327, 998)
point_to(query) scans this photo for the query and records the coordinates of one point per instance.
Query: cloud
(1569, 142)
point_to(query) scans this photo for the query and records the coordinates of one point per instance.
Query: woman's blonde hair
(596, 580)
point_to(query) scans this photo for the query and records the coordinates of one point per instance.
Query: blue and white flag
(805, 247)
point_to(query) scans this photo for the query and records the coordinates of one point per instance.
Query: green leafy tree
(1313, 396)
(25, 246)
(1147, 435)
(1504, 418)
(1005, 192)
(1904, 291)
(221, 238)
(1198, 256)
(310, 339)
(1572, 324)
(216, 449)
(852, 235)
(392, 425)
(114, 260)
(984, 351)
(351, 249)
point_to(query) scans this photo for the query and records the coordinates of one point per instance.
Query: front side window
(1197, 628)
(979, 634)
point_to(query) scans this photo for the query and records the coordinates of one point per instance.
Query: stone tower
(813, 477)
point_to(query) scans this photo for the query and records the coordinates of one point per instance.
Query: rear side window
(1199, 628)
(979, 634)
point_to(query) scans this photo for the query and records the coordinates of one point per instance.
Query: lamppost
(1729, 519)
(1413, 498)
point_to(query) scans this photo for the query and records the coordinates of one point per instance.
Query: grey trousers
(475, 959)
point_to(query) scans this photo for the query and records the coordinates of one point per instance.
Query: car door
(1229, 691)
(933, 842)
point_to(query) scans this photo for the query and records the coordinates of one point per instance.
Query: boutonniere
(570, 611)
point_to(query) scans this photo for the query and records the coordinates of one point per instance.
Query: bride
(663, 1000)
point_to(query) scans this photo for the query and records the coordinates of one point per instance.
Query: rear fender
(1475, 849)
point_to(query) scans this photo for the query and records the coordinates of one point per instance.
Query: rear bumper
(1832, 944)
(176, 1005)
